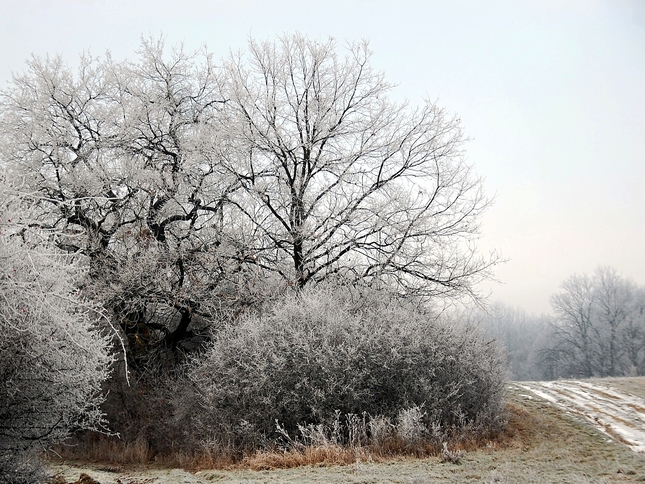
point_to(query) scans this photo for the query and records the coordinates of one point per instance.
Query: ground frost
(616, 414)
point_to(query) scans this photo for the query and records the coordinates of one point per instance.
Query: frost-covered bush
(53, 359)
(328, 350)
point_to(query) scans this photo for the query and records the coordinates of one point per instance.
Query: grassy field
(543, 444)
(632, 385)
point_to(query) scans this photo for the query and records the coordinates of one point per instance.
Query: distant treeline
(596, 329)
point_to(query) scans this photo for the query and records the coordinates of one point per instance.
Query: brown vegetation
(113, 453)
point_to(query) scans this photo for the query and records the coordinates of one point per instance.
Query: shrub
(53, 359)
(325, 351)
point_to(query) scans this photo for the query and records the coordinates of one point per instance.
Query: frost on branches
(53, 358)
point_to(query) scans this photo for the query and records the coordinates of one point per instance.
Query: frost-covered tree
(186, 184)
(53, 355)
(521, 335)
(122, 155)
(599, 326)
(339, 179)
(189, 189)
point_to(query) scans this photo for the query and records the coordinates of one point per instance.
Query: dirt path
(616, 414)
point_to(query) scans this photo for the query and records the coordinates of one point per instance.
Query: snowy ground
(618, 415)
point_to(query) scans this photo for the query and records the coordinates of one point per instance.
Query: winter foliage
(53, 357)
(265, 239)
(332, 350)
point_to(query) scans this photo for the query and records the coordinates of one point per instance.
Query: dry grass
(326, 455)
(107, 450)
(334, 455)
(630, 385)
(110, 452)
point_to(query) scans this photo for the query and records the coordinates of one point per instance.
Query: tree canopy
(188, 185)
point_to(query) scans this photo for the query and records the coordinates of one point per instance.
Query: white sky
(551, 92)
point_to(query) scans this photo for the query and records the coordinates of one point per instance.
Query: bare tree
(181, 182)
(338, 179)
(598, 325)
(575, 330)
(633, 334)
(615, 303)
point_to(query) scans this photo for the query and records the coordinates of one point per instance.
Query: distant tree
(576, 333)
(598, 326)
(53, 355)
(522, 336)
(615, 300)
(632, 337)
(338, 179)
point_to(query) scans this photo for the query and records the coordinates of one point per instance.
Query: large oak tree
(339, 179)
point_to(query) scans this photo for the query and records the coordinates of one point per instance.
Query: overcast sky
(551, 92)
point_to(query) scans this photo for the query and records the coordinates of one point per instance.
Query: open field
(549, 439)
